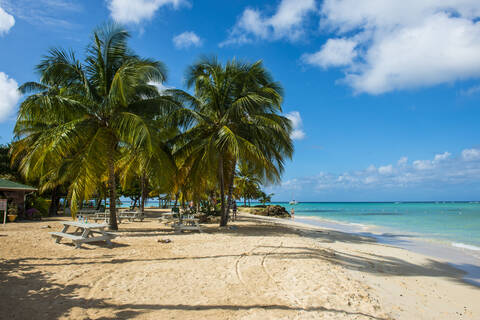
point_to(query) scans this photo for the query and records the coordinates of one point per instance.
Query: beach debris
(45, 227)
(233, 228)
(164, 240)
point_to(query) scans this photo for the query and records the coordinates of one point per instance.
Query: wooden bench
(60, 235)
(84, 233)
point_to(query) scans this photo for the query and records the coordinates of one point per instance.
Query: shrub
(33, 214)
(41, 205)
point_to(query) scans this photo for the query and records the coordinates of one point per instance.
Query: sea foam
(465, 246)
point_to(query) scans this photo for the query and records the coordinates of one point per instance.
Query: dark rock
(274, 211)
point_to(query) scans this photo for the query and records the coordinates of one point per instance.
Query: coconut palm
(233, 115)
(246, 181)
(105, 102)
(27, 151)
(154, 167)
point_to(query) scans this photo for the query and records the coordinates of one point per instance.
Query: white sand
(257, 271)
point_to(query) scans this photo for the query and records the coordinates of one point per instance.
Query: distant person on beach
(190, 207)
(292, 213)
(234, 210)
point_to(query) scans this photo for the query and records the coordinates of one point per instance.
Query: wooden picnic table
(131, 215)
(84, 232)
(167, 216)
(87, 211)
(105, 216)
(190, 224)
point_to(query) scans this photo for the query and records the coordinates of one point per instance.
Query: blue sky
(384, 94)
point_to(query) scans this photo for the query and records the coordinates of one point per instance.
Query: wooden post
(3, 206)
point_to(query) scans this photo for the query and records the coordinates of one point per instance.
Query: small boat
(293, 202)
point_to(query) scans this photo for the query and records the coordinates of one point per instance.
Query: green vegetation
(89, 126)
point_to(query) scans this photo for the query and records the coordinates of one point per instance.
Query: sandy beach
(258, 268)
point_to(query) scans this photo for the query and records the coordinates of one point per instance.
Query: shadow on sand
(42, 298)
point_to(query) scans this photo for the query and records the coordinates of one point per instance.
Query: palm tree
(26, 153)
(105, 102)
(246, 181)
(233, 115)
(264, 198)
(152, 166)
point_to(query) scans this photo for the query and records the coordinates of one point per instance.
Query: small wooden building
(16, 192)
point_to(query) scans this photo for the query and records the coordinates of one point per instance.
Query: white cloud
(57, 14)
(134, 11)
(160, 86)
(471, 154)
(442, 156)
(286, 23)
(186, 40)
(440, 172)
(405, 44)
(6, 21)
(297, 125)
(386, 169)
(431, 164)
(423, 164)
(334, 53)
(402, 161)
(9, 96)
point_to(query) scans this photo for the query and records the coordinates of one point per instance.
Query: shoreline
(396, 253)
(462, 258)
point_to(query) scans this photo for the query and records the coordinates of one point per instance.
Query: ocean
(445, 230)
(457, 222)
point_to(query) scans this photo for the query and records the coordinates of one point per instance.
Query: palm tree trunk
(98, 202)
(52, 210)
(224, 218)
(144, 188)
(113, 194)
(230, 186)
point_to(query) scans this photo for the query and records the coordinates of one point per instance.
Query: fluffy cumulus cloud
(186, 40)
(387, 45)
(135, 11)
(6, 21)
(287, 22)
(442, 171)
(9, 96)
(297, 125)
(334, 53)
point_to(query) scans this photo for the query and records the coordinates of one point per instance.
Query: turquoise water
(456, 222)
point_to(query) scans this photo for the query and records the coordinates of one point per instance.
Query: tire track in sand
(294, 301)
